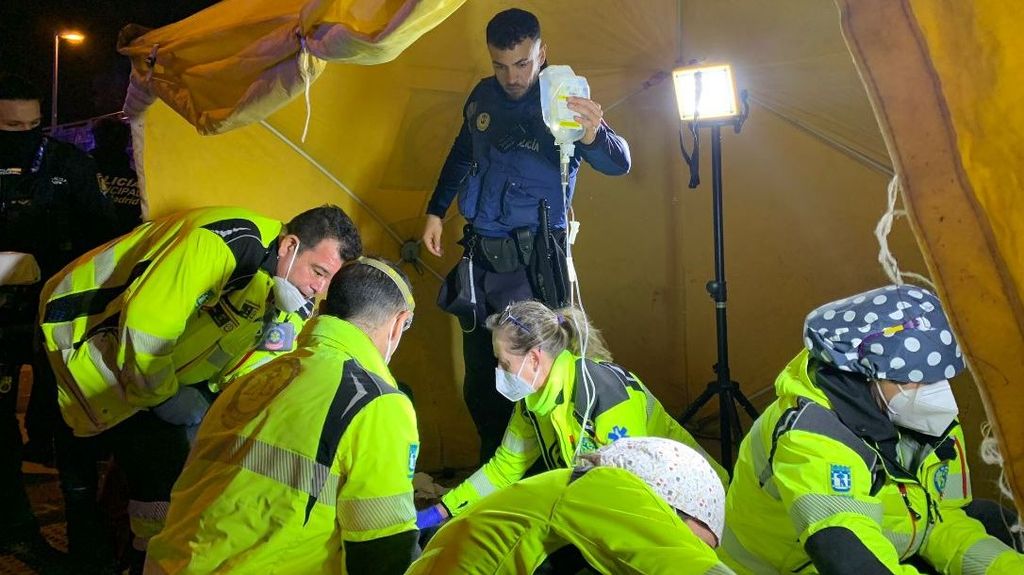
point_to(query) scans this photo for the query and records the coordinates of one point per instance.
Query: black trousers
(150, 452)
(488, 408)
(17, 519)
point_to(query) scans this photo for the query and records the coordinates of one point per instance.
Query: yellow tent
(805, 181)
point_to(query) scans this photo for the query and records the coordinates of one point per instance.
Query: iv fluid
(557, 83)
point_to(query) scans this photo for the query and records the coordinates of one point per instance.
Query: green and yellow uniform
(301, 457)
(616, 521)
(816, 473)
(171, 303)
(547, 424)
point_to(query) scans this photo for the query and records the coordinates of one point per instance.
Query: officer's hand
(432, 235)
(187, 407)
(589, 115)
(431, 516)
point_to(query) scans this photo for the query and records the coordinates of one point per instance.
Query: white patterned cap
(894, 332)
(680, 475)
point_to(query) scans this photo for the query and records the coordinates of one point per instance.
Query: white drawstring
(306, 71)
(885, 257)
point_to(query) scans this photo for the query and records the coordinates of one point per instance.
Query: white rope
(990, 454)
(306, 71)
(334, 179)
(888, 261)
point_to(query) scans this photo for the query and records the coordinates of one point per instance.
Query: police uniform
(826, 482)
(618, 523)
(301, 459)
(546, 425)
(503, 164)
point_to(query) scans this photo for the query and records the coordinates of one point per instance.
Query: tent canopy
(805, 180)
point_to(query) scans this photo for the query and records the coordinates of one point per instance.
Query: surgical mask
(512, 385)
(18, 148)
(927, 408)
(287, 297)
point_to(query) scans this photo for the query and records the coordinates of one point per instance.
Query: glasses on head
(507, 317)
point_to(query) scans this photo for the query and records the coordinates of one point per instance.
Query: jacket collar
(344, 336)
(560, 379)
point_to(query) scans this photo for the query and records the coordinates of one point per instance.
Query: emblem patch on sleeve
(841, 478)
(414, 451)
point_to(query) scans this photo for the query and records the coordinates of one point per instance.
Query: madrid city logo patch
(840, 478)
(941, 476)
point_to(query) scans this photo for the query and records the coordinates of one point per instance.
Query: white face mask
(928, 408)
(287, 297)
(511, 385)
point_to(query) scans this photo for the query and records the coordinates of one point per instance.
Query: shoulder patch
(841, 478)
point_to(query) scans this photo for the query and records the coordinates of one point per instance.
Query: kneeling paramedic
(136, 327)
(569, 399)
(305, 465)
(639, 505)
(859, 465)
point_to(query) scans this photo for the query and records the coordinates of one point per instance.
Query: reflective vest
(622, 407)
(315, 448)
(801, 470)
(618, 523)
(172, 303)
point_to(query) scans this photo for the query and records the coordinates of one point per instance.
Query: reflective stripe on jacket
(618, 523)
(623, 407)
(313, 449)
(801, 470)
(171, 303)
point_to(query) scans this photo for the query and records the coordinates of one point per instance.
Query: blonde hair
(530, 324)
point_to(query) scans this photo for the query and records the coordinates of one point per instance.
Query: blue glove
(187, 407)
(429, 517)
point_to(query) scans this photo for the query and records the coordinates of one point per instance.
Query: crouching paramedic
(639, 505)
(569, 398)
(133, 327)
(859, 465)
(305, 465)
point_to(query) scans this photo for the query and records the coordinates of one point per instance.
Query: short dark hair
(511, 27)
(14, 87)
(365, 295)
(110, 133)
(328, 222)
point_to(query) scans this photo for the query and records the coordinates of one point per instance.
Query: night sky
(93, 76)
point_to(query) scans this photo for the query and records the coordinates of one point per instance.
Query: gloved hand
(187, 407)
(431, 516)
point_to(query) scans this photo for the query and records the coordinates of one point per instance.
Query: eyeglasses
(408, 323)
(506, 316)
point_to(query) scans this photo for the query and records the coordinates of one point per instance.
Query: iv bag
(557, 83)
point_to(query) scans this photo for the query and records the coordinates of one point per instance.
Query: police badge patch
(483, 121)
(841, 478)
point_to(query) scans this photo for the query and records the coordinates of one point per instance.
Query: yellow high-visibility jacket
(312, 450)
(618, 523)
(171, 303)
(802, 470)
(547, 424)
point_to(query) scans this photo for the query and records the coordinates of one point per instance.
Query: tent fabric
(804, 185)
(942, 78)
(238, 61)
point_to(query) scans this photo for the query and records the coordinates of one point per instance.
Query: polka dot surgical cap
(894, 332)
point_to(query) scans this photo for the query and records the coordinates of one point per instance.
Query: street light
(72, 37)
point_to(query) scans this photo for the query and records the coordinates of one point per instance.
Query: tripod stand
(727, 390)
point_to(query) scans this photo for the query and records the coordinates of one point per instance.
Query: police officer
(305, 465)
(136, 328)
(52, 207)
(502, 166)
(640, 505)
(859, 466)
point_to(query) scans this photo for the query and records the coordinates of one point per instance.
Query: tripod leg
(742, 400)
(698, 403)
